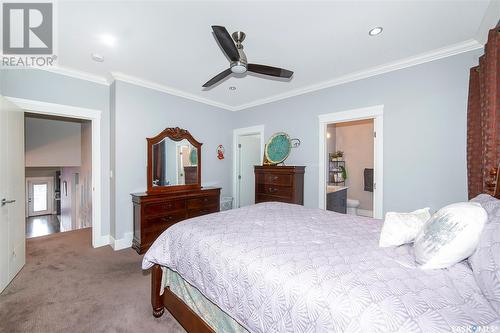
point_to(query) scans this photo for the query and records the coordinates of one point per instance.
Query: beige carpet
(67, 286)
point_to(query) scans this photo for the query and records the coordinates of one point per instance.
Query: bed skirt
(217, 319)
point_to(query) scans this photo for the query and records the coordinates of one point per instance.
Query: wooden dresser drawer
(274, 190)
(160, 208)
(166, 219)
(266, 198)
(154, 226)
(156, 212)
(202, 202)
(283, 183)
(202, 211)
(275, 179)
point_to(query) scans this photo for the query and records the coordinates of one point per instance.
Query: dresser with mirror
(174, 192)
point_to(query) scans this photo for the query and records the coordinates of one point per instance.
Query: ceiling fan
(239, 64)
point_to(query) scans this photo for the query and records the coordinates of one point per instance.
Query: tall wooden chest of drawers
(279, 183)
(155, 212)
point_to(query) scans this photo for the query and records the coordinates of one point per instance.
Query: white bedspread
(276, 267)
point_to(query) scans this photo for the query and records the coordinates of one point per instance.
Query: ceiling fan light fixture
(238, 68)
(375, 31)
(238, 59)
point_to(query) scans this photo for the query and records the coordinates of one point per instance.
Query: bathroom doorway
(351, 159)
(350, 167)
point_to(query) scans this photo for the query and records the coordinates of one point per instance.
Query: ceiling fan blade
(268, 70)
(217, 78)
(226, 42)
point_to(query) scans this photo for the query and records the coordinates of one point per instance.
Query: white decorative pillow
(450, 236)
(402, 228)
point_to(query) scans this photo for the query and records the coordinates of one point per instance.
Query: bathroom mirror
(174, 161)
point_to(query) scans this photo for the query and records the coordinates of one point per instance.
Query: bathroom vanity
(336, 198)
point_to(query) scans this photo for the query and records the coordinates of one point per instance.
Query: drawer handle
(167, 218)
(205, 199)
(275, 178)
(167, 206)
(272, 190)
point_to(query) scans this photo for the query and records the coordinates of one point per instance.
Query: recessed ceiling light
(97, 57)
(232, 88)
(108, 39)
(376, 31)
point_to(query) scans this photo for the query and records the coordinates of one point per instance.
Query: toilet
(352, 206)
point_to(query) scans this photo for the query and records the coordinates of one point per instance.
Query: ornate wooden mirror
(174, 161)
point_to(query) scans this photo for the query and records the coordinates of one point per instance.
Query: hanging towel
(368, 176)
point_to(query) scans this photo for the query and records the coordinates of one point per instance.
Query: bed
(276, 267)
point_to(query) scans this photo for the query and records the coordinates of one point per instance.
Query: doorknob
(5, 201)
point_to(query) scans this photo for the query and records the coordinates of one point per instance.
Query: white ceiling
(169, 45)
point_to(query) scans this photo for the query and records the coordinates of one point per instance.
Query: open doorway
(350, 167)
(351, 161)
(248, 151)
(58, 171)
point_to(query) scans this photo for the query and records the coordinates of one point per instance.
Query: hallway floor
(68, 286)
(42, 225)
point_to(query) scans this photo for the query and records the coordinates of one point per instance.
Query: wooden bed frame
(188, 319)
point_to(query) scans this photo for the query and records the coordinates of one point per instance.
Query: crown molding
(437, 54)
(451, 50)
(169, 90)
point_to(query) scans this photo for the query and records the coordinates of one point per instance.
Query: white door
(12, 187)
(249, 156)
(183, 155)
(40, 195)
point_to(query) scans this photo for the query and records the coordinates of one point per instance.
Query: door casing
(94, 116)
(376, 113)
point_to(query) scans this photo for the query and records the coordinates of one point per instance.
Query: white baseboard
(365, 212)
(121, 243)
(101, 241)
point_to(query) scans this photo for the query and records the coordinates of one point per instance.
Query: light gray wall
(142, 113)
(55, 88)
(424, 129)
(50, 143)
(50, 87)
